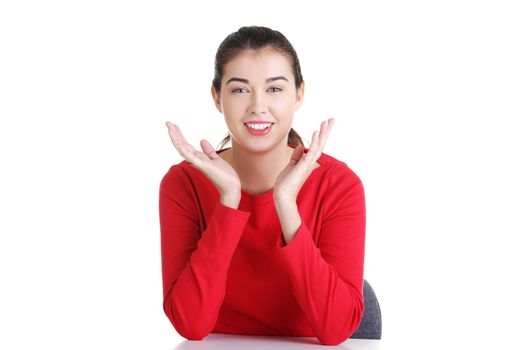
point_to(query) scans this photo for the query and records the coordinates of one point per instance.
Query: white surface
(429, 105)
(252, 342)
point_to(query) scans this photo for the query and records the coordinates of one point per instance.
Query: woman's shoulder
(179, 175)
(338, 170)
(341, 185)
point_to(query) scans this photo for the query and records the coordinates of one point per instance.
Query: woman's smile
(259, 128)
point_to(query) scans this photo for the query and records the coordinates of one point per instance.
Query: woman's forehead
(257, 65)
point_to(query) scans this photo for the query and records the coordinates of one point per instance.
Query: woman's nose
(258, 104)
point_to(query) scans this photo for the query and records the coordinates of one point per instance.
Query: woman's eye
(236, 90)
(272, 89)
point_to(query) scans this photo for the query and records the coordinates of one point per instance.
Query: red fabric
(227, 270)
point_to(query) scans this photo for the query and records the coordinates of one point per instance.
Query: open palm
(216, 169)
(294, 175)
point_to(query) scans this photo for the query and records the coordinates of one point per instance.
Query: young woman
(266, 237)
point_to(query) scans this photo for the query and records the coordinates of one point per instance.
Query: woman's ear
(299, 96)
(216, 99)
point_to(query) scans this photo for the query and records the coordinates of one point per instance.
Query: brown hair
(255, 37)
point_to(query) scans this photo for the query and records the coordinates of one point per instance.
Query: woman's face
(258, 85)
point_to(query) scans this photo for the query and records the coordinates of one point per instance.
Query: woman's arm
(194, 268)
(328, 280)
(289, 218)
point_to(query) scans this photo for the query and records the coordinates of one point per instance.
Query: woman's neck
(258, 171)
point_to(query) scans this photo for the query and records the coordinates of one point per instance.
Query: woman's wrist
(231, 199)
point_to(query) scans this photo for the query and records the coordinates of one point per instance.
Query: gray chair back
(370, 326)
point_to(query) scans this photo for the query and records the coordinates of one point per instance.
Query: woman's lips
(259, 132)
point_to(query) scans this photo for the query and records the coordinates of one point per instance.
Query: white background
(429, 102)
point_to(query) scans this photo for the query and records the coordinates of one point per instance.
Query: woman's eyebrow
(246, 81)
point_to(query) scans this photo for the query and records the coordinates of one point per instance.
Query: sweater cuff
(298, 253)
(225, 228)
(232, 213)
(296, 242)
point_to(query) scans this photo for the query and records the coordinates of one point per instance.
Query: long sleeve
(194, 264)
(327, 279)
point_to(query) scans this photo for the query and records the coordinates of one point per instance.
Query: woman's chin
(261, 146)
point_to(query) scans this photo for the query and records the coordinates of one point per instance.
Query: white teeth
(258, 126)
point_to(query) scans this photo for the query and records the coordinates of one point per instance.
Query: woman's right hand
(216, 169)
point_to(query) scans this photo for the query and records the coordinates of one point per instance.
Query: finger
(180, 142)
(310, 155)
(318, 141)
(324, 134)
(175, 139)
(326, 127)
(175, 130)
(174, 133)
(331, 123)
(186, 150)
(297, 154)
(208, 149)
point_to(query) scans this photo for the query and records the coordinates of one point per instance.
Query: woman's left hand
(301, 165)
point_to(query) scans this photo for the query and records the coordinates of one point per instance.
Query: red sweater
(227, 270)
